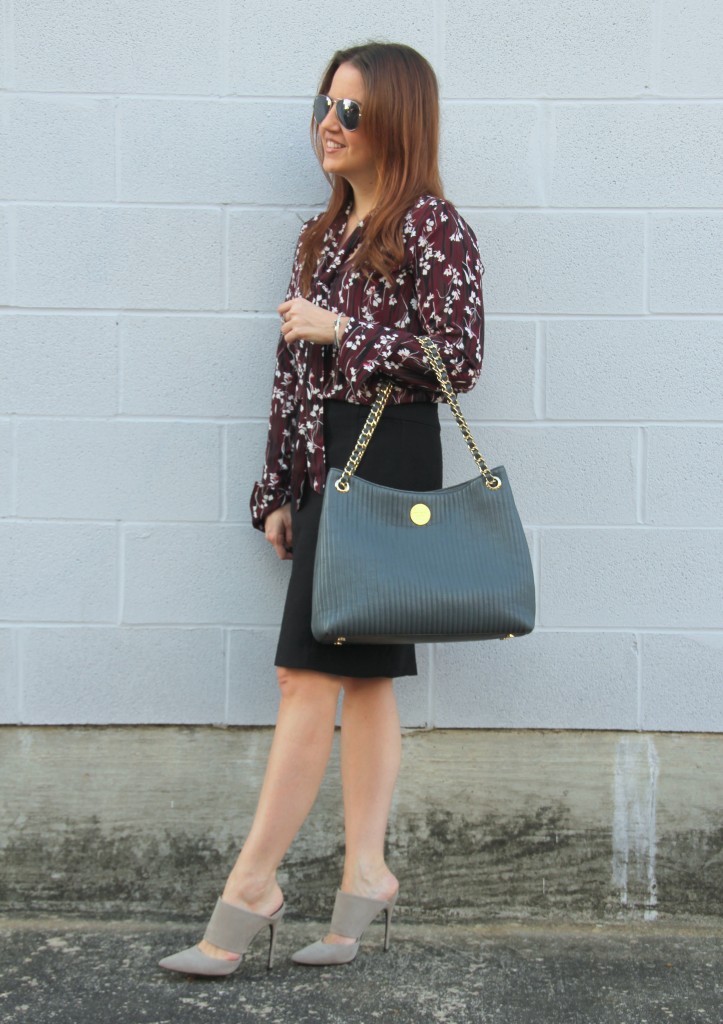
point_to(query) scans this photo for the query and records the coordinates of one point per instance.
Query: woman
(388, 259)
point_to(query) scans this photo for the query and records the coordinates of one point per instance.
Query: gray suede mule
(231, 928)
(352, 915)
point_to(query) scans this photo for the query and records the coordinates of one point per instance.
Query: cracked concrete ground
(70, 971)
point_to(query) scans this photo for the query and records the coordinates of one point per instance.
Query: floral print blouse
(437, 292)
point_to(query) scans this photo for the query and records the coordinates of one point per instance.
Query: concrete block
(635, 154)
(261, 247)
(8, 677)
(253, 692)
(632, 578)
(562, 47)
(548, 680)
(117, 675)
(683, 476)
(491, 153)
(197, 366)
(142, 257)
(58, 365)
(561, 262)
(587, 359)
(57, 148)
(201, 573)
(245, 452)
(555, 471)
(314, 36)
(506, 387)
(216, 151)
(682, 682)
(685, 253)
(130, 47)
(6, 294)
(117, 469)
(6, 468)
(689, 48)
(58, 572)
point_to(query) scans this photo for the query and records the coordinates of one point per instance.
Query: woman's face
(348, 154)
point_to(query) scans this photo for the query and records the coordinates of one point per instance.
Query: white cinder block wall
(154, 171)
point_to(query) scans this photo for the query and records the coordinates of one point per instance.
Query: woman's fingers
(278, 531)
(305, 321)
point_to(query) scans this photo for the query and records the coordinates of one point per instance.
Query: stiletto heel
(230, 928)
(351, 917)
(272, 943)
(388, 924)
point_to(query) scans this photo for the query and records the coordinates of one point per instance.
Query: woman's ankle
(252, 889)
(372, 879)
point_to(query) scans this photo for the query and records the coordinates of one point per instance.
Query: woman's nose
(331, 114)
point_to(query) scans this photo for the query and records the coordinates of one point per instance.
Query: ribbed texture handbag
(398, 567)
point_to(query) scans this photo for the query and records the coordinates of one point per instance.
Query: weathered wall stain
(634, 830)
(492, 825)
(526, 867)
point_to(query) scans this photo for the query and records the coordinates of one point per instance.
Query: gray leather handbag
(398, 567)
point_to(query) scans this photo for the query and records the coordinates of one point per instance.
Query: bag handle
(383, 392)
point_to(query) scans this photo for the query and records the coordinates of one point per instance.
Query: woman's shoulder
(312, 220)
(429, 213)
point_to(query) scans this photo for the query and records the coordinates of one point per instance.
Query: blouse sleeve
(448, 285)
(274, 488)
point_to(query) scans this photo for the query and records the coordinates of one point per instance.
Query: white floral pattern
(437, 293)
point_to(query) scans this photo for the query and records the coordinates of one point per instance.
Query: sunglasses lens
(322, 106)
(349, 114)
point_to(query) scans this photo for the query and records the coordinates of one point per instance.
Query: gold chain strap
(493, 482)
(383, 392)
(370, 425)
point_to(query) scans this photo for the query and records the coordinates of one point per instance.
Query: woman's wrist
(340, 325)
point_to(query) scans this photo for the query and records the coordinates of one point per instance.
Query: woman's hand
(277, 528)
(304, 321)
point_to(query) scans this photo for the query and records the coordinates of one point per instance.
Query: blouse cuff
(264, 500)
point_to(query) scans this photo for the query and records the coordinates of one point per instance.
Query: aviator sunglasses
(348, 111)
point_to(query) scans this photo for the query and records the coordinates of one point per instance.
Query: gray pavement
(68, 971)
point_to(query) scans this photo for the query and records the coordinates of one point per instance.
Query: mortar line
(440, 31)
(642, 475)
(543, 137)
(661, 99)
(224, 48)
(226, 672)
(639, 665)
(223, 474)
(540, 371)
(512, 210)
(121, 557)
(19, 650)
(655, 45)
(225, 233)
(117, 148)
(10, 76)
(259, 314)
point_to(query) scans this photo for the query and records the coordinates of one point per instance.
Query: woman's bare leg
(299, 754)
(371, 747)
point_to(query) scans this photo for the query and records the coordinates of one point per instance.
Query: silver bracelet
(336, 330)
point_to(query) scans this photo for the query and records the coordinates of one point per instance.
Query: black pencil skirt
(405, 452)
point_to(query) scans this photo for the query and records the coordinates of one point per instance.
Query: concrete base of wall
(146, 821)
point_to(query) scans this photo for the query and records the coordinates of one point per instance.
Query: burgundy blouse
(437, 293)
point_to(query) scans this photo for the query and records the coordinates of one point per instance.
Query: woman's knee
(369, 688)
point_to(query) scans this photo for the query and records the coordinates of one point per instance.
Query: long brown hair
(401, 118)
